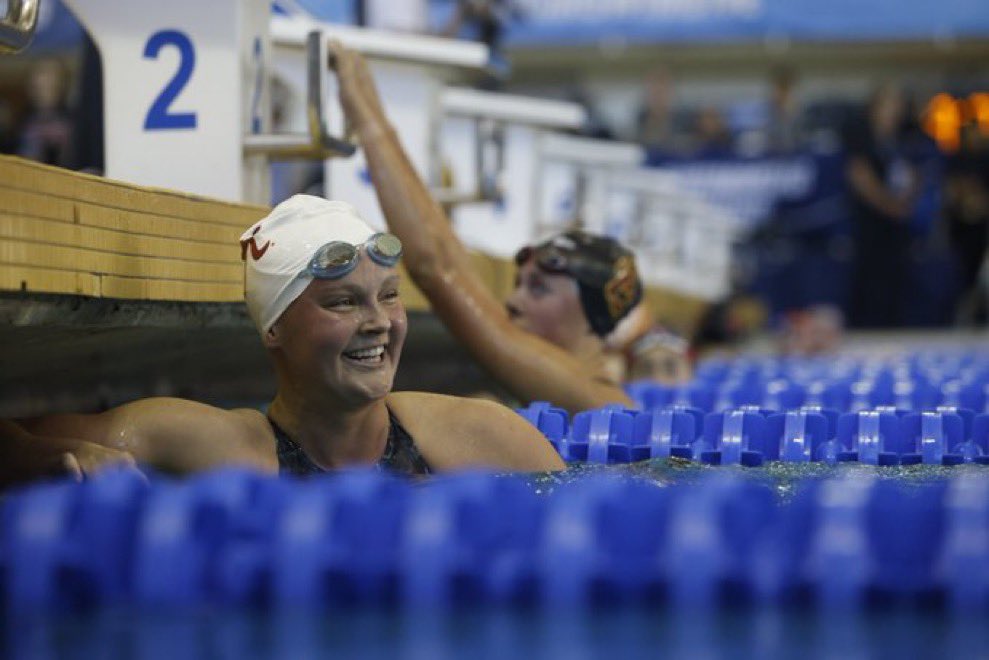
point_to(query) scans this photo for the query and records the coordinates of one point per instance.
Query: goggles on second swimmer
(553, 259)
(548, 258)
(338, 258)
(604, 271)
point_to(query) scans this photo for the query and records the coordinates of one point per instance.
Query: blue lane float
(879, 412)
(237, 538)
(751, 436)
(720, 535)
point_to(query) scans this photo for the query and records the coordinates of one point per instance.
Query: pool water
(497, 633)
(665, 557)
(782, 478)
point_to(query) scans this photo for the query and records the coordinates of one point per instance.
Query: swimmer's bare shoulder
(454, 432)
(175, 435)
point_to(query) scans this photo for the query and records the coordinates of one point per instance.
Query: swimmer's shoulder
(259, 436)
(454, 432)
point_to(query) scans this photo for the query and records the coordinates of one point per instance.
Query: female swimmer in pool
(322, 289)
(546, 342)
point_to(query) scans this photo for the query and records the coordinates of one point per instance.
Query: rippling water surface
(783, 478)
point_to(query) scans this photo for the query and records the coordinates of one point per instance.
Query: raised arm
(526, 365)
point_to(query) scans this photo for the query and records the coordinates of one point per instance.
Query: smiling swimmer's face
(345, 335)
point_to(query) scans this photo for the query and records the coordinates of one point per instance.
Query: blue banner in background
(749, 187)
(757, 189)
(581, 22)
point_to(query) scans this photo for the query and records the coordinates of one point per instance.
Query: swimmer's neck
(332, 437)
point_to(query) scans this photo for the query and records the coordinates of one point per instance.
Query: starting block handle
(318, 144)
(486, 133)
(18, 26)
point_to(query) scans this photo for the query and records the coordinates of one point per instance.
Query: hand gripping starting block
(410, 72)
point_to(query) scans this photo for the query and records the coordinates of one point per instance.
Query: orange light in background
(943, 121)
(945, 116)
(978, 111)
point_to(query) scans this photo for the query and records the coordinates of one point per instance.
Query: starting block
(411, 73)
(184, 84)
(682, 242)
(18, 26)
(490, 142)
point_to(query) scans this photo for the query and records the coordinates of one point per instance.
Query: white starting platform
(185, 84)
(490, 146)
(188, 107)
(411, 73)
(682, 242)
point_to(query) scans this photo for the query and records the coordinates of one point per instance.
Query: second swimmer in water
(547, 341)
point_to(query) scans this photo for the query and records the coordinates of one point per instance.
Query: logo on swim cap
(278, 248)
(622, 290)
(256, 252)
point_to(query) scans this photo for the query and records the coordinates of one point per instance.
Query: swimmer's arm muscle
(174, 435)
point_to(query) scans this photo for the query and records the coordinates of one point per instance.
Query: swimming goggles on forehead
(560, 260)
(548, 258)
(338, 258)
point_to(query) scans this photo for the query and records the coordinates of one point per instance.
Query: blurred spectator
(728, 322)
(783, 130)
(932, 286)
(46, 133)
(711, 135)
(967, 213)
(484, 21)
(883, 186)
(655, 120)
(639, 348)
(814, 330)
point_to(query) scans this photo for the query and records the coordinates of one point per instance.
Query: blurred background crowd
(855, 147)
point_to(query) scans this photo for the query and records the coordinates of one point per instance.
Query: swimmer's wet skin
(322, 289)
(545, 343)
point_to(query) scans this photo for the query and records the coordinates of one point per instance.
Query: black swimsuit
(401, 454)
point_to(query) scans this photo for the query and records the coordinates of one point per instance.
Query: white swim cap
(277, 249)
